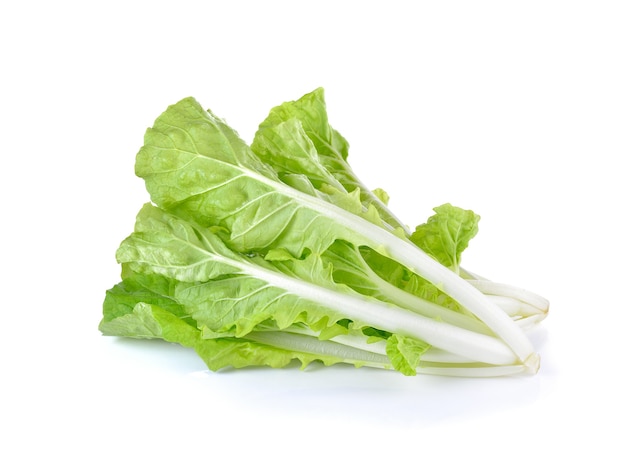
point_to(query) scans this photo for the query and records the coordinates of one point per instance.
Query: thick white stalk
(391, 318)
(537, 302)
(509, 305)
(312, 345)
(515, 307)
(439, 363)
(380, 347)
(422, 306)
(457, 288)
(440, 356)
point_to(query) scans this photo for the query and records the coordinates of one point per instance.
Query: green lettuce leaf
(198, 168)
(225, 292)
(330, 149)
(405, 353)
(446, 234)
(132, 310)
(289, 151)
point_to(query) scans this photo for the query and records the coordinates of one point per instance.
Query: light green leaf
(198, 168)
(122, 298)
(310, 110)
(292, 154)
(152, 322)
(382, 195)
(289, 150)
(405, 353)
(166, 245)
(446, 234)
(330, 148)
(225, 292)
(132, 310)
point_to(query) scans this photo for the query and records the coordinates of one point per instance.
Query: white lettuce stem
(460, 290)
(514, 307)
(515, 302)
(391, 318)
(380, 347)
(439, 363)
(420, 305)
(530, 299)
(312, 345)
(425, 307)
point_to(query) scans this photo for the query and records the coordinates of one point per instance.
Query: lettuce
(277, 252)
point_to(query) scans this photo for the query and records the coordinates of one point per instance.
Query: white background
(514, 109)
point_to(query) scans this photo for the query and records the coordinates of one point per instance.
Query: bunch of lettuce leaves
(276, 253)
